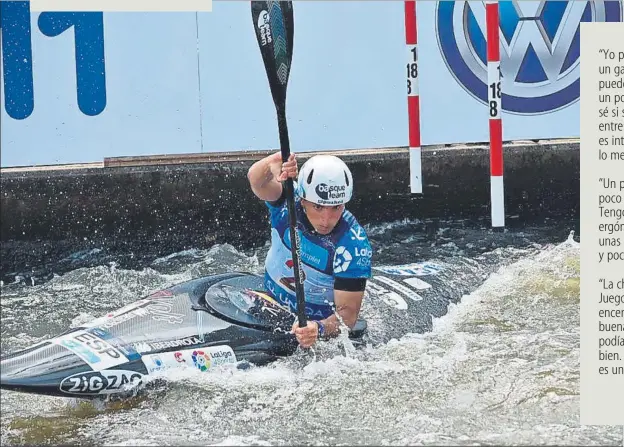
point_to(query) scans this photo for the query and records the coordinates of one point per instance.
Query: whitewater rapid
(501, 367)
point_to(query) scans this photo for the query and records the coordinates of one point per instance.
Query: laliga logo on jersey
(363, 252)
(342, 259)
(327, 192)
(539, 49)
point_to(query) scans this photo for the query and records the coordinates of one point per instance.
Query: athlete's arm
(265, 176)
(348, 306)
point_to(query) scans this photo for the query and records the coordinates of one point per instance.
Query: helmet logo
(327, 192)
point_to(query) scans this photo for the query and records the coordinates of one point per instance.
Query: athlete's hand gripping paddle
(274, 25)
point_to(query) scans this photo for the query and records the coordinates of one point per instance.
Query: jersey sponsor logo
(416, 269)
(364, 262)
(357, 234)
(311, 253)
(311, 259)
(342, 259)
(289, 300)
(363, 251)
(101, 382)
(95, 351)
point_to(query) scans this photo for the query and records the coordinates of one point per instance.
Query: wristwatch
(321, 330)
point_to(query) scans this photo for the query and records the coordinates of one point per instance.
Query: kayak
(218, 320)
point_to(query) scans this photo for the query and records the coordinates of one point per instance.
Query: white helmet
(325, 180)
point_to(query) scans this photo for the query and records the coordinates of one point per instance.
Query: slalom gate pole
(413, 100)
(497, 191)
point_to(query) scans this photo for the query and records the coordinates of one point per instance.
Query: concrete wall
(142, 210)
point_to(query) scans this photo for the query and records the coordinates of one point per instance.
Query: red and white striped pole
(497, 191)
(413, 101)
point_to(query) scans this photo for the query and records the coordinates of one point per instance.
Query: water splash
(500, 368)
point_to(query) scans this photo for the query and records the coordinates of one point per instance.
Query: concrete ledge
(169, 203)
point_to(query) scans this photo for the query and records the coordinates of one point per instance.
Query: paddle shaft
(295, 243)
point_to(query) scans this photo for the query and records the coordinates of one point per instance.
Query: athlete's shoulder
(278, 211)
(353, 251)
(353, 234)
(280, 203)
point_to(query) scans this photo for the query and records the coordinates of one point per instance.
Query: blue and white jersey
(345, 252)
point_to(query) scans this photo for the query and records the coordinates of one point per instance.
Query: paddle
(274, 25)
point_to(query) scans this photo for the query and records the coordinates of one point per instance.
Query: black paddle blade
(274, 26)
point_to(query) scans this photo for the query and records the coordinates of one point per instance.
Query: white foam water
(502, 367)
